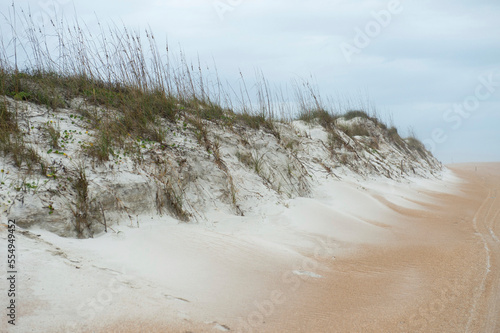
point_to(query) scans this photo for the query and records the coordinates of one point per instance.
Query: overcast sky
(433, 65)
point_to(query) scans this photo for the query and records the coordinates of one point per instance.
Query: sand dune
(377, 256)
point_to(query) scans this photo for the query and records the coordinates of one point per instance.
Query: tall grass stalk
(130, 70)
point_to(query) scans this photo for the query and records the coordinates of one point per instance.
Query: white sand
(199, 274)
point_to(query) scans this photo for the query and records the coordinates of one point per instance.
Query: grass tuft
(12, 141)
(39, 88)
(325, 119)
(167, 197)
(362, 114)
(355, 114)
(53, 135)
(355, 130)
(81, 210)
(394, 136)
(8, 126)
(416, 145)
(257, 122)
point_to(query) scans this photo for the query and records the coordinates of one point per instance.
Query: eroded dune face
(198, 166)
(417, 256)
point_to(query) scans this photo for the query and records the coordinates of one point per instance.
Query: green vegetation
(416, 145)
(81, 205)
(8, 126)
(138, 93)
(38, 88)
(126, 111)
(12, 141)
(355, 130)
(133, 100)
(256, 122)
(324, 118)
(53, 135)
(362, 114)
(356, 113)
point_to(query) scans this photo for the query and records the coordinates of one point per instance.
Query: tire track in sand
(484, 224)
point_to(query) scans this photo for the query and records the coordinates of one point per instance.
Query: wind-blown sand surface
(440, 272)
(362, 256)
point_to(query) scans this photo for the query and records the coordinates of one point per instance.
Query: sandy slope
(369, 256)
(440, 273)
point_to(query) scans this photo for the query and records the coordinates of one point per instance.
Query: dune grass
(137, 87)
(12, 141)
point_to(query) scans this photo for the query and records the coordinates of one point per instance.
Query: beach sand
(359, 257)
